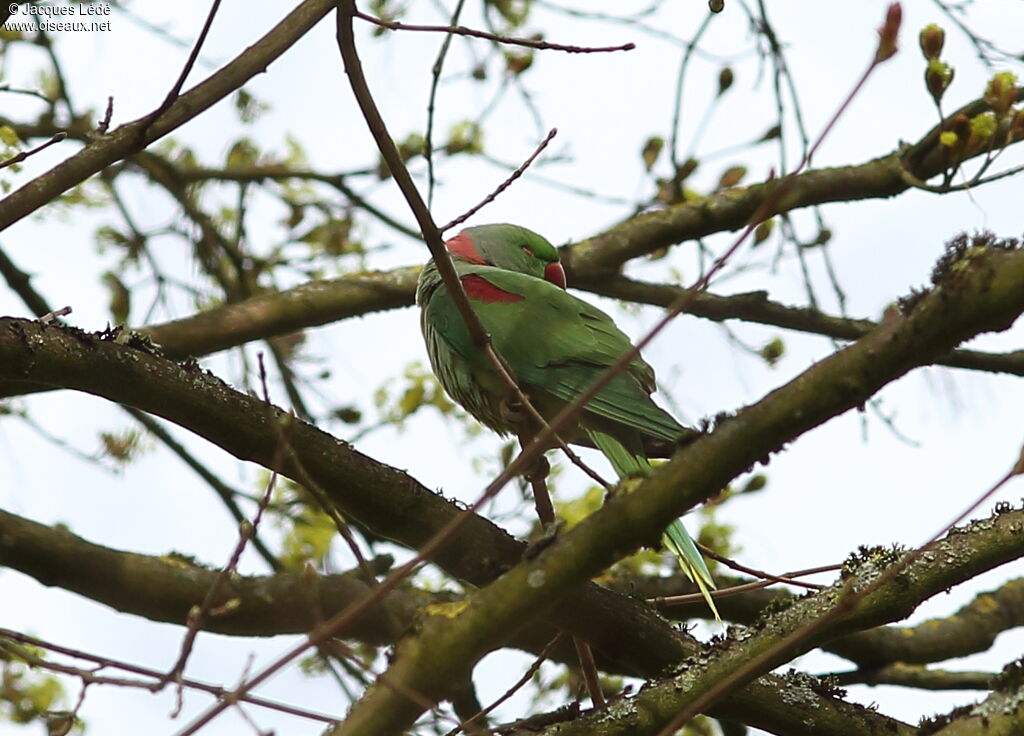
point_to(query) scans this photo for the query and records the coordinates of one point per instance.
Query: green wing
(561, 344)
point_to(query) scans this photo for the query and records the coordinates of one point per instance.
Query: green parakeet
(556, 347)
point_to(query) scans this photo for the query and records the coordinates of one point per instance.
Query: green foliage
(123, 446)
(9, 137)
(108, 236)
(513, 12)
(716, 535)
(465, 137)
(90, 194)
(763, 231)
(26, 696)
(331, 237)
(772, 351)
(983, 126)
(931, 39)
(248, 107)
(120, 298)
(398, 399)
(938, 76)
(309, 531)
(732, 177)
(412, 146)
(177, 153)
(386, 10)
(574, 511)
(10, 145)
(242, 154)
(518, 61)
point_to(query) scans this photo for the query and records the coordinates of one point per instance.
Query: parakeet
(556, 346)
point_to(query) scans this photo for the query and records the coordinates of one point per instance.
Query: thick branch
(918, 676)
(756, 307)
(971, 629)
(166, 588)
(315, 303)
(980, 293)
(629, 636)
(1000, 714)
(733, 208)
(964, 553)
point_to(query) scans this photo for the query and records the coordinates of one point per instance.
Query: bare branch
(126, 139)
(17, 159)
(463, 31)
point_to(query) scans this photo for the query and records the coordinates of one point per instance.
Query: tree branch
(971, 629)
(732, 208)
(966, 552)
(389, 502)
(166, 588)
(982, 293)
(917, 676)
(134, 136)
(628, 635)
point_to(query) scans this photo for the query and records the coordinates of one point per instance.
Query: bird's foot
(538, 472)
(513, 412)
(548, 534)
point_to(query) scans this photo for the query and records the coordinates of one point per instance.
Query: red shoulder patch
(479, 288)
(464, 246)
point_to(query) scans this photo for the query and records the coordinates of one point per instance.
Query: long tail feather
(629, 464)
(681, 545)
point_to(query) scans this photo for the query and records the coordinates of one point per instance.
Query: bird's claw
(549, 533)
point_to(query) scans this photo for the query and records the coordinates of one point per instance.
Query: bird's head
(510, 247)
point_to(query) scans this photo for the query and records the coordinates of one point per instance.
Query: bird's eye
(528, 252)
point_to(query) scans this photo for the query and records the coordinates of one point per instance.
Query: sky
(897, 472)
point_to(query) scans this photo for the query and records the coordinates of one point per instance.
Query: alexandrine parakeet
(556, 347)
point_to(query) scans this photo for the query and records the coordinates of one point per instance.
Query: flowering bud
(1016, 131)
(1001, 92)
(725, 79)
(983, 127)
(651, 151)
(763, 231)
(937, 78)
(732, 176)
(932, 38)
(888, 33)
(954, 137)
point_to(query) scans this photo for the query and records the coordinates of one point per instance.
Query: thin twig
(21, 156)
(787, 578)
(246, 531)
(435, 80)
(589, 669)
(463, 31)
(504, 185)
(849, 597)
(520, 683)
(708, 552)
(172, 96)
(677, 105)
(88, 676)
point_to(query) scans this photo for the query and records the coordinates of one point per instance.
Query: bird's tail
(681, 545)
(630, 464)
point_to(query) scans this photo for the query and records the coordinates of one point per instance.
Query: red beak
(554, 273)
